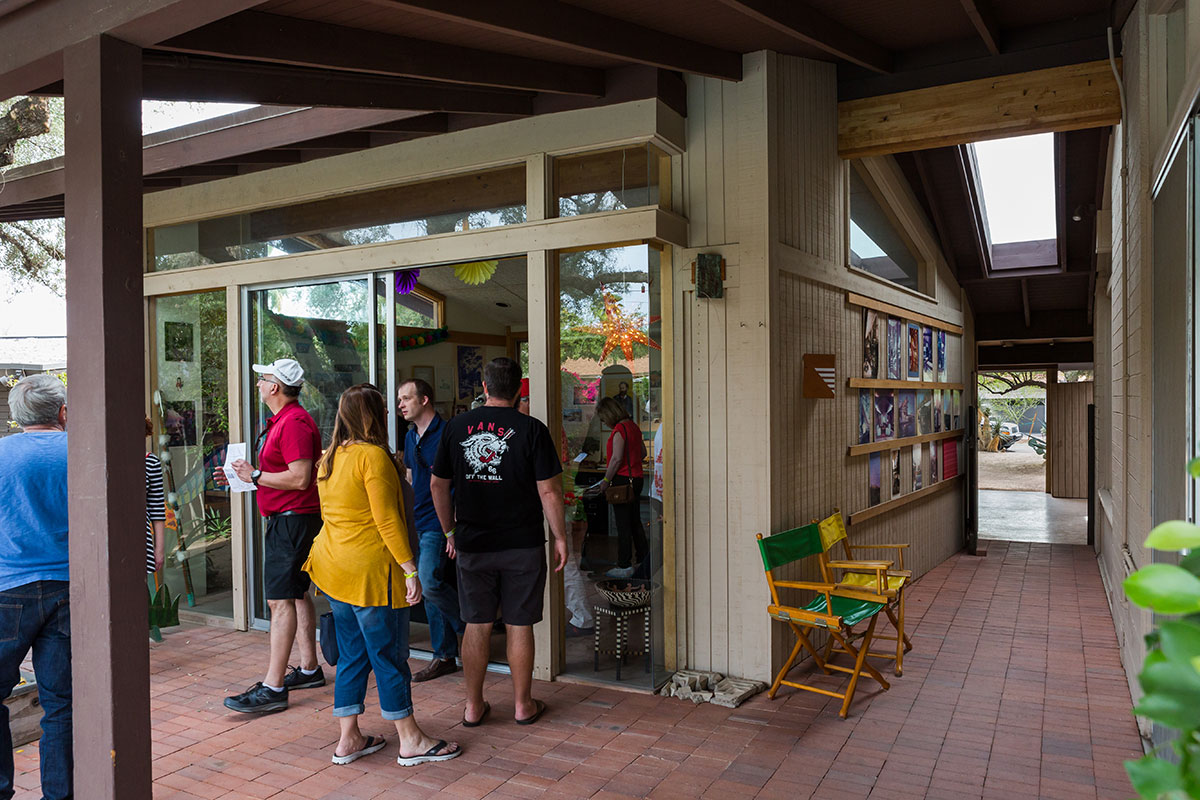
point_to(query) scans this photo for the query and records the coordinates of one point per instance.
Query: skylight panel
(1017, 177)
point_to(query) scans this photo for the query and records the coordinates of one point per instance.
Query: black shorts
(285, 549)
(511, 581)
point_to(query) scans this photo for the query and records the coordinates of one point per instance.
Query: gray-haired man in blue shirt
(35, 597)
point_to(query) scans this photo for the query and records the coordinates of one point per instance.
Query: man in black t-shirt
(504, 470)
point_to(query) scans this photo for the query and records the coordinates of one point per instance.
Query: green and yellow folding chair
(836, 610)
(863, 573)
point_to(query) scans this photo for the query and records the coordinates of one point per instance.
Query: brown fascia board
(209, 140)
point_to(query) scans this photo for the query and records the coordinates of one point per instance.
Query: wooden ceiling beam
(563, 25)
(1059, 99)
(1035, 355)
(35, 38)
(196, 79)
(812, 28)
(271, 38)
(981, 16)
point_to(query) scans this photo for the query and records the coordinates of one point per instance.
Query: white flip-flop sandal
(430, 755)
(373, 745)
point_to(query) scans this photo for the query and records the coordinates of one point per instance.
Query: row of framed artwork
(885, 414)
(930, 462)
(904, 351)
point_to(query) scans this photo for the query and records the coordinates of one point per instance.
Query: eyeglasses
(266, 380)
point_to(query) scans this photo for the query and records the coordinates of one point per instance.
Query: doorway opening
(1033, 454)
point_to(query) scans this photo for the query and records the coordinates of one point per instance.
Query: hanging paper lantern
(620, 330)
(407, 281)
(476, 272)
(420, 340)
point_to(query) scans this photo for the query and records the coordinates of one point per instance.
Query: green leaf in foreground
(1166, 588)
(1153, 777)
(1174, 535)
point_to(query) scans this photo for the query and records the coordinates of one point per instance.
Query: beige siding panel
(1066, 421)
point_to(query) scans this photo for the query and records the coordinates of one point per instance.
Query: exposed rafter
(1025, 299)
(253, 35)
(564, 25)
(176, 77)
(981, 16)
(810, 27)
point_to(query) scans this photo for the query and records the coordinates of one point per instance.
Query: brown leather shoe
(436, 669)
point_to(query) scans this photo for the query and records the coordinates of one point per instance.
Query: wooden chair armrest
(900, 573)
(816, 587)
(862, 566)
(869, 546)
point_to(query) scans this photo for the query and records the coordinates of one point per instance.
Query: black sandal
(487, 707)
(431, 754)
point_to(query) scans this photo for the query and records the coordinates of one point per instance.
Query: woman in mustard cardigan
(362, 561)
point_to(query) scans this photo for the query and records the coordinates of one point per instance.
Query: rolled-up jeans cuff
(392, 716)
(351, 711)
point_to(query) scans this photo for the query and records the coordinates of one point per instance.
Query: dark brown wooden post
(111, 676)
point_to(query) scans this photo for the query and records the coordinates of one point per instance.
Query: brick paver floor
(1013, 690)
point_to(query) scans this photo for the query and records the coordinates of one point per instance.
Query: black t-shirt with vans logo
(495, 456)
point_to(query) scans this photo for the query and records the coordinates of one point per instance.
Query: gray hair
(35, 400)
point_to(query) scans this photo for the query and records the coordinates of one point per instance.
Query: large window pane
(325, 327)
(876, 242)
(192, 409)
(611, 332)
(610, 180)
(480, 200)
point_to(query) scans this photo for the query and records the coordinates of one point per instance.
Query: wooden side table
(622, 649)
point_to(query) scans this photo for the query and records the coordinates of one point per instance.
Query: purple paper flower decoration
(407, 281)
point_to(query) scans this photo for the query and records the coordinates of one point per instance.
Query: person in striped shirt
(156, 509)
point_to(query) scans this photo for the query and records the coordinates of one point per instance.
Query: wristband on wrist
(449, 533)
(408, 575)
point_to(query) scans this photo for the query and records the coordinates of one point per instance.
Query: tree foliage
(31, 130)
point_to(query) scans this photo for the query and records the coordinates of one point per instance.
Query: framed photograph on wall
(424, 374)
(914, 351)
(895, 349)
(468, 364)
(870, 343)
(873, 479)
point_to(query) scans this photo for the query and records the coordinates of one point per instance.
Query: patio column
(103, 179)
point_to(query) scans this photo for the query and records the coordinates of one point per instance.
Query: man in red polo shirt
(287, 497)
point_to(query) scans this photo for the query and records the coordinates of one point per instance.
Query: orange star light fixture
(620, 330)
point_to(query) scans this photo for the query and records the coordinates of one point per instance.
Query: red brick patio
(1026, 698)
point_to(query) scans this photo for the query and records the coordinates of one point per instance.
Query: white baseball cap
(286, 370)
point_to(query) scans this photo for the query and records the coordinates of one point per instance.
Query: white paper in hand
(232, 454)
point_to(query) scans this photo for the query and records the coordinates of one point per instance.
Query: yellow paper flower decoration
(620, 330)
(476, 272)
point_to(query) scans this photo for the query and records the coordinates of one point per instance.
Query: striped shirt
(156, 504)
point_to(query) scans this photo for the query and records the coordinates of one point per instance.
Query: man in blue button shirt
(35, 597)
(433, 564)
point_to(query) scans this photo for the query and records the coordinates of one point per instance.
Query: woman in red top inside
(625, 454)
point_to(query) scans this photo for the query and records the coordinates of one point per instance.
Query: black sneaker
(258, 698)
(298, 680)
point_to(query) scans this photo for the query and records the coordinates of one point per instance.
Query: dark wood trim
(107, 509)
(1074, 41)
(43, 29)
(981, 16)
(573, 28)
(1025, 299)
(198, 79)
(1035, 355)
(272, 38)
(810, 27)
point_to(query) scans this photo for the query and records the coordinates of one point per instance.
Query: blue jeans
(38, 615)
(371, 637)
(441, 601)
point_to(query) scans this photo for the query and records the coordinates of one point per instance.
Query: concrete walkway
(1012, 691)
(1031, 517)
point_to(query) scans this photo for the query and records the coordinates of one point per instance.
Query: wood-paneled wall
(722, 432)
(1066, 422)
(763, 186)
